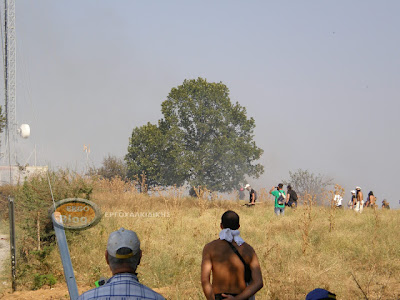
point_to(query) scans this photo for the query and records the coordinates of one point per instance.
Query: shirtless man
(371, 199)
(227, 269)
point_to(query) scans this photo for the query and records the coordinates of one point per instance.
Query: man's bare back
(228, 280)
(360, 196)
(227, 268)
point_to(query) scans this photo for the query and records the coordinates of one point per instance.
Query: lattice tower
(10, 82)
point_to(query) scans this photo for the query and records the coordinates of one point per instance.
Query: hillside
(356, 256)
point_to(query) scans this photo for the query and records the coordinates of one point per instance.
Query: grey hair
(131, 262)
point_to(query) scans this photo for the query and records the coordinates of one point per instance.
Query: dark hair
(230, 220)
(280, 185)
(289, 187)
(371, 193)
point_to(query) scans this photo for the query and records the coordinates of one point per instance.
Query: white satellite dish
(24, 131)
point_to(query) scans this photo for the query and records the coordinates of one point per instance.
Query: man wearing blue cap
(123, 255)
(320, 294)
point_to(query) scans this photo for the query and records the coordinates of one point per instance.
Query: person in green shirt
(277, 191)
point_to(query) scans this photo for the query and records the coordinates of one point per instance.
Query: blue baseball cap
(320, 294)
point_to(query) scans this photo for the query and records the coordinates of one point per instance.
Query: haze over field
(321, 79)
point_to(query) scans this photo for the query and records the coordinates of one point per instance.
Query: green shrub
(34, 228)
(41, 280)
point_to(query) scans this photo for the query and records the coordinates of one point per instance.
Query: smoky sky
(321, 79)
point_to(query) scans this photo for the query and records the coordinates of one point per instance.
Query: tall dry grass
(359, 259)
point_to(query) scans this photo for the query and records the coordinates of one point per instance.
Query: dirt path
(57, 292)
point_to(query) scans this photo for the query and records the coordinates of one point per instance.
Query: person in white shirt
(338, 200)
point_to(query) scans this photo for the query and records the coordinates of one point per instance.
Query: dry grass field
(356, 256)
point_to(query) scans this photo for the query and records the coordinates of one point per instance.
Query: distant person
(123, 255)
(359, 199)
(337, 200)
(252, 194)
(385, 204)
(221, 259)
(353, 200)
(371, 200)
(320, 294)
(291, 197)
(278, 192)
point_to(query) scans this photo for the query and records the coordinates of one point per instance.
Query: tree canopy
(203, 139)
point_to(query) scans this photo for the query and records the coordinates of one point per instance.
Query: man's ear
(140, 257)
(220, 225)
(106, 254)
(239, 226)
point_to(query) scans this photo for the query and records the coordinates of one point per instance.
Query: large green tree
(203, 139)
(144, 153)
(152, 152)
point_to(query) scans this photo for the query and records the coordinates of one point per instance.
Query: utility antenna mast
(10, 82)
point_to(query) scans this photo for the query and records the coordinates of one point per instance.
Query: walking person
(352, 201)
(371, 200)
(337, 200)
(291, 197)
(231, 261)
(359, 199)
(252, 194)
(278, 193)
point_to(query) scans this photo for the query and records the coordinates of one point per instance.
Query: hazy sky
(320, 78)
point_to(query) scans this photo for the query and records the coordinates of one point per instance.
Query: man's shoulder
(247, 248)
(209, 247)
(217, 244)
(213, 244)
(118, 287)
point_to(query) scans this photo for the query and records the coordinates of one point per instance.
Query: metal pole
(65, 257)
(12, 241)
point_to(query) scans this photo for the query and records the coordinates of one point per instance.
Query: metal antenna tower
(10, 82)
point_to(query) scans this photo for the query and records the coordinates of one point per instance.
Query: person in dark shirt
(352, 201)
(253, 194)
(291, 197)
